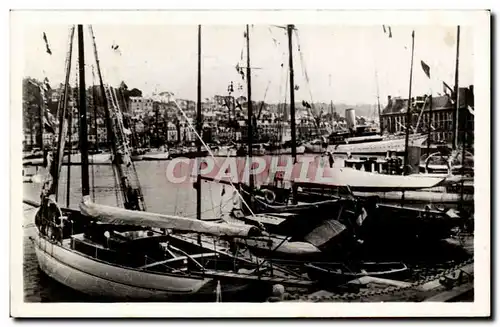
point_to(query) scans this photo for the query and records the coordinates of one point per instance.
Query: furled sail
(119, 216)
(306, 173)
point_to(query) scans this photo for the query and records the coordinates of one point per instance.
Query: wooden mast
(408, 111)
(62, 112)
(70, 148)
(378, 104)
(249, 109)
(109, 127)
(41, 108)
(292, 105)
(82, 110)
(457, 105)
(198, 130)
(292, 94)
(430, 126)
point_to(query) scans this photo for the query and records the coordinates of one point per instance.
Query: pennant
(387, 30)
(115, 48)
(306, 104)
(46, 44)
(296, 87)
(426, 68)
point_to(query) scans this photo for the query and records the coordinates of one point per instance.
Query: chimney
(389, 100)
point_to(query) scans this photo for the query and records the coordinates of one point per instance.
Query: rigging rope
(304, 73)
(282, 111)
(211, 154)
(94, 104)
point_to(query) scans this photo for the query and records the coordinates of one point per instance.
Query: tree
(135, 93)
(31, 106)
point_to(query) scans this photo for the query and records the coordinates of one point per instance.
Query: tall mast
(249, 107)
(70, 148)
(62, 113)
(457, 106)
(430, 126)
(292, 94)
(40, 123)
(408, 111)
(332, 119)
(378, 103)
(198, 130)
(109, 127)
(31, 130)
(83, 115)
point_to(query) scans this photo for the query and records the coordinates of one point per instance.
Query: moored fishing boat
(115, 262)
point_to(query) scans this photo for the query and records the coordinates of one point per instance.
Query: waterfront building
(394, 115)
(140, 106)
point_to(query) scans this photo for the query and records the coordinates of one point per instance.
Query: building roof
(399, 105)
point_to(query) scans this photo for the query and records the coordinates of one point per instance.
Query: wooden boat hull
(97, 278)
(189, 155)
(336, 275)
(96, 159)
(422, 197)
(156, 156)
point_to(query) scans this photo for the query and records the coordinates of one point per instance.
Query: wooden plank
(369, 279)
(448, 296)
(275, 280)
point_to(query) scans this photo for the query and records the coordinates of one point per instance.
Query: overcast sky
(341, 62)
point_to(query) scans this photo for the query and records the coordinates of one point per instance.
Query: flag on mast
(47, 44)
(426, 68)
(387, 30)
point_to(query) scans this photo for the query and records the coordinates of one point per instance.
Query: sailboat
(128, 253)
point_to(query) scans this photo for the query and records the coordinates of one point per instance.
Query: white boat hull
(156, 156)
(315, 148)
(95, 159)
(378, 147)
(97, 278)
(100, 158)
(301, 149)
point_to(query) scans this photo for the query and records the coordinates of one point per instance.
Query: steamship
(363, 139)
